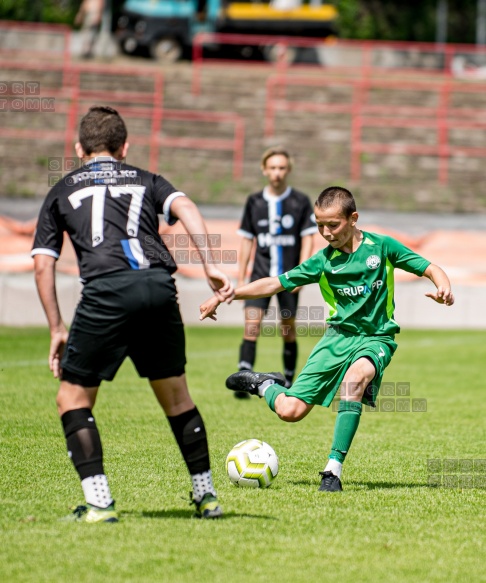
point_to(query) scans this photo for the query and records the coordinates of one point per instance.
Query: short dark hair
(337, 195)
(102, 128)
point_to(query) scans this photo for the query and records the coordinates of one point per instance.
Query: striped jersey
(110, 212)
(278, 224)
(358, 287)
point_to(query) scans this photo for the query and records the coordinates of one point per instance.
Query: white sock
(96, 491)
(335, 467)
(264, 386)
(243, 365)
(202, 484)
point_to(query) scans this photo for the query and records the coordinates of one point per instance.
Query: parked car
(165, 28)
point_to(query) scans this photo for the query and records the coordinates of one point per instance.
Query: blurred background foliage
(406, 20)
(56, 11)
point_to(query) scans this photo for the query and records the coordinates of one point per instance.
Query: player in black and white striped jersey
(277, 228)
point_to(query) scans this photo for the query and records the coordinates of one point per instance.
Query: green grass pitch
(388, 525)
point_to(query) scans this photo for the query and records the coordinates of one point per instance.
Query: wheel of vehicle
(280, 52)
(166, 50)
(129, 45)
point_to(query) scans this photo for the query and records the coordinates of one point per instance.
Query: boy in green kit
(355, 275)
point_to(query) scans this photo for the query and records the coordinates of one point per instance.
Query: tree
(61, 11)
(407, 20)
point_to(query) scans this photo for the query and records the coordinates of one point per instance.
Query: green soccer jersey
(358, 287)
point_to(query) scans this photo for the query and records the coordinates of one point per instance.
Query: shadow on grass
(188, 514)
(385, 485)
(363, 485)
(311, 482)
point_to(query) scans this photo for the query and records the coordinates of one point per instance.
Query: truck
(165, 29)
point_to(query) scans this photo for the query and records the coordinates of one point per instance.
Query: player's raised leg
(190, 433)
(271, 386)
(75, 405)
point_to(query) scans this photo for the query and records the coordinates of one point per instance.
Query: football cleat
(330, 483)
(207, 507)
(93, 514)
(241, 395)
(249, 382)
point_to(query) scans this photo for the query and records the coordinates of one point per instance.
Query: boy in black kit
(128, 305)
(278, 225)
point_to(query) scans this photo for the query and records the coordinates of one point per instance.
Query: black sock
(190, 434)
(247, 355)
(83, 442)
(290, 360)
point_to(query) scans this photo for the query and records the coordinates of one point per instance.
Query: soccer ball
(252, 464)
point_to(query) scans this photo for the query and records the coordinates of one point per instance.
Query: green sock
(346, 425)
(272, 392)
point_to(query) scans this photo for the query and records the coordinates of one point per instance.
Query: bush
(405, 20)
(55, 11)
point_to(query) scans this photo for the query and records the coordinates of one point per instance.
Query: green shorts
(322, 375)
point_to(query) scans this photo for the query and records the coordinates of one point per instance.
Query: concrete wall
(20, 306)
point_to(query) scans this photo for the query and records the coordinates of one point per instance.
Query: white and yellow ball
(252, 464)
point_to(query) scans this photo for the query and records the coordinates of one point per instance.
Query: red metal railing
(282, 44)
(22, 52)
(357, 62)
(353, 58)
(71, 99)
(440, 118)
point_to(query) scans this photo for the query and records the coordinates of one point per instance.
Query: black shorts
(126, 313)
(287, 303)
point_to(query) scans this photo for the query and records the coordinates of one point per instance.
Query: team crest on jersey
(373, 262)
(287, 221)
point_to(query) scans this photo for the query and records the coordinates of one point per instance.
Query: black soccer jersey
(109, 210)
(278, 223)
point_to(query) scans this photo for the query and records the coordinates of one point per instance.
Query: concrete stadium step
(321, 142)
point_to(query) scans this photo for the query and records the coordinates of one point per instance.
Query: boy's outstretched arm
(261, 288)
(443, 294)
(208, 308)
(189, 215)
